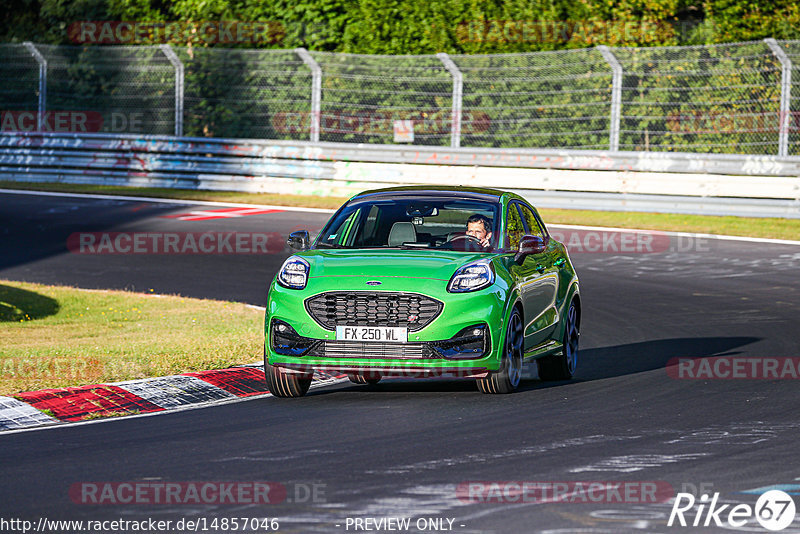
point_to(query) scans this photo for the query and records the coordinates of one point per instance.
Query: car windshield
(414, 222)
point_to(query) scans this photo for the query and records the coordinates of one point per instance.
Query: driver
(480, 227)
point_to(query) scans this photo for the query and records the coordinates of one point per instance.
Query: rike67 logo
(774, 511)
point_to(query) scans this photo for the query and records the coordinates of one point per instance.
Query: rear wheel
(561, 366)
(284, 384)
(507, 379)
(361, 379)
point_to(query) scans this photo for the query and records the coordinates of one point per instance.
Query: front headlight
(472, 277)
(294, 273)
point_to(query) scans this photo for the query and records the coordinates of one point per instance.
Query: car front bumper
(430, 351)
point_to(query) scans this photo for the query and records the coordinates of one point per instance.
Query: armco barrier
(636, 181)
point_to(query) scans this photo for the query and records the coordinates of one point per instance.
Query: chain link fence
(539, 100)
(239, 93)
(700, 99)
(20, 74)
(362, 96)
(792, 49)
(115, 89)
(741, 98)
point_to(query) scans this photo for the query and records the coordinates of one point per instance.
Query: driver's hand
(485, 242)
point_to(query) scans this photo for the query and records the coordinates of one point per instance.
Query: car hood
(392, 263)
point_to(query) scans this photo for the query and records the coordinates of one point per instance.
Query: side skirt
(540, 351)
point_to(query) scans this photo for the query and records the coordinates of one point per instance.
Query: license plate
(384, 334)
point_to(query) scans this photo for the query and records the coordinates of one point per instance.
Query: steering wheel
(464, 236)
(469, 242)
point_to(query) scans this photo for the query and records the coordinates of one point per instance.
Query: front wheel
(283, 384)
(507, 379)
(561, 366)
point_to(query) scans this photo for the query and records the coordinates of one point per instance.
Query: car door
(543, 317)
(535, 280)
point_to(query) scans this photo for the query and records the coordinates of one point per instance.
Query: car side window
(344, 233)
(515, 228)
(531, 222)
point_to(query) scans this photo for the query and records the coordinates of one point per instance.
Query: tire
(561, 366)
(507, 379)
(361, 379)
(283, 384)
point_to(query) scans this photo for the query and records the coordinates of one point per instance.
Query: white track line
(320, 210)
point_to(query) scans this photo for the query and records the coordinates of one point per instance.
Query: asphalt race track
(36, 229)
(408, 448)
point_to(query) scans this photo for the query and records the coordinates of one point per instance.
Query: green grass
(775, 228)
(103, 415)
(55, 336)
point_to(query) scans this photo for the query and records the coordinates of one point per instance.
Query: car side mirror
(530, 244)
(298, 240)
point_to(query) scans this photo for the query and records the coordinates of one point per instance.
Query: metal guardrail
(680, 183)
(151, 150)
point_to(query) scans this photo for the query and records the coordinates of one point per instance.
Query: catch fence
(739, 98)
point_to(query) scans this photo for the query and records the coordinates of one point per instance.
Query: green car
(424, 281)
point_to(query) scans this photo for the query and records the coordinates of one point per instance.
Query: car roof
(477, 193)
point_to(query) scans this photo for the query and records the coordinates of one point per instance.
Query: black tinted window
(418, 222)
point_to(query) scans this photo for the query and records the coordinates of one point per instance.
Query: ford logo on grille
(373, 283)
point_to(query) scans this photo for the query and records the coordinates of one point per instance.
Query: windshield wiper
(414, 245)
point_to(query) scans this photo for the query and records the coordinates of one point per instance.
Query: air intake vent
(358, 349)
(365, 308)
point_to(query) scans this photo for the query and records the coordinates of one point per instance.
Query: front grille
(359, 349)
(365, 308)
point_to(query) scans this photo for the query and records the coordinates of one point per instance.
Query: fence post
(176, 62)
(316, 91)
(784, 122)
(42, 107)
(616, 96)
(458, 95)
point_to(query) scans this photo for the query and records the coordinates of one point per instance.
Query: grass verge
(774, 228)
(56, 336)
